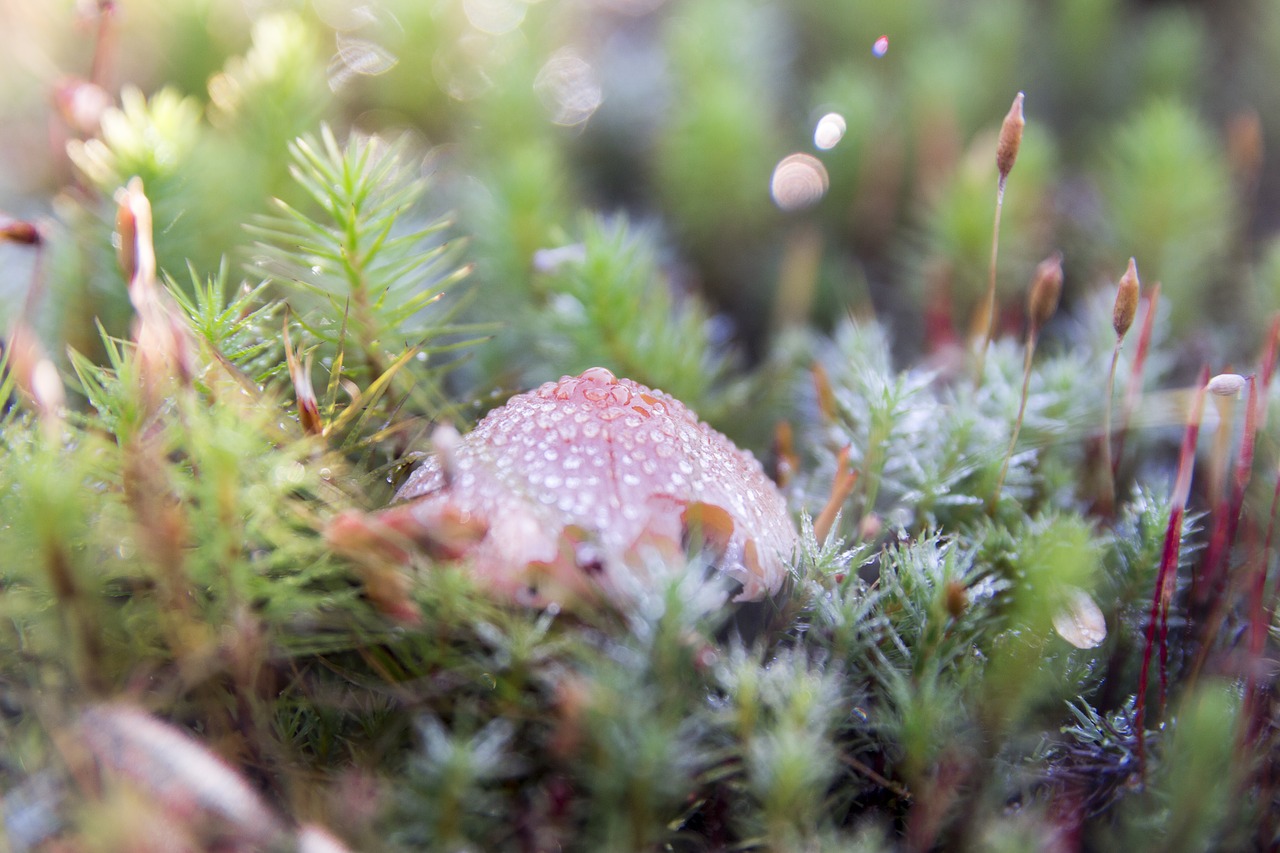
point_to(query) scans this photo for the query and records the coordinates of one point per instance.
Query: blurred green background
(1147, 135)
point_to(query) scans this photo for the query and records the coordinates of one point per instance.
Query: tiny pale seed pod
(1046, 290)
(1126, 307)
(1081, 622)
(1226, 385)
(1010, 138)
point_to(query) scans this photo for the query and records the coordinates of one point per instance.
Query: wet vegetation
(991, 290)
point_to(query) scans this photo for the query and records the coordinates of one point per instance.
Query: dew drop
(830, 131)
(494, 17)
(880, 47)
(799, 181)
(568, 87)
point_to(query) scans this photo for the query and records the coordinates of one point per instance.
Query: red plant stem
(1268, 369)
(1135, 375)
(1261, 617)
(102, 42)
(1271, 526)
(1258, 622)
(1168, 564)
(1224, 533)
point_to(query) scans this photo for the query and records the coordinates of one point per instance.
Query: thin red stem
(1267, 369)
(1135, 375)
(1169, 562)
(1217, 557)
(1258, 623)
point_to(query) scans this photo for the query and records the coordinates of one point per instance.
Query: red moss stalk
(1167, 574)
(1227, 514)
(1268, 369)
(1135, 375)
(1122, 315)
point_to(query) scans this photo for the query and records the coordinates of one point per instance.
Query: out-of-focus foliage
(370, 219)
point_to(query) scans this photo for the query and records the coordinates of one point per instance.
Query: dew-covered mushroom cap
(616, 470)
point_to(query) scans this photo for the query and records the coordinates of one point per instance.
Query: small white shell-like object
(1081, 622)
